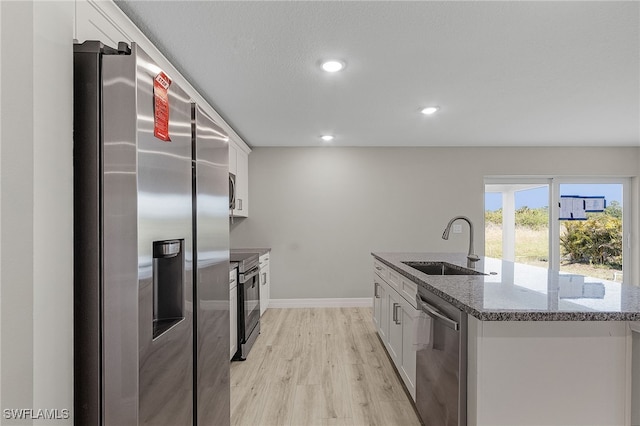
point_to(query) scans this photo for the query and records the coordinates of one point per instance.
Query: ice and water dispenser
(168, 285)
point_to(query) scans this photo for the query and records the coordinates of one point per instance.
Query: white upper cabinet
(233, 158)
(239, 166)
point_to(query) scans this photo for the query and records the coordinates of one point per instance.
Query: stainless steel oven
(441, 367)
(248, 302)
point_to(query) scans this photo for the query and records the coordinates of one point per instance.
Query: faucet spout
(471, 256)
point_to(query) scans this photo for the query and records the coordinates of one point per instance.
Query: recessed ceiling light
(430, 110)
(327, 138)
(333, 65)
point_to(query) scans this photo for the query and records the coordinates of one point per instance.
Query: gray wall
(324, 210)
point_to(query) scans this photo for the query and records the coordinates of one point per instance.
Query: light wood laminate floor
(318, 366)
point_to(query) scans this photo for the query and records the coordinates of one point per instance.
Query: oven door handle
(250, 274)
(433, 313)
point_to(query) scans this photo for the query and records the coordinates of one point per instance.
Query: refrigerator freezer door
(151, 176)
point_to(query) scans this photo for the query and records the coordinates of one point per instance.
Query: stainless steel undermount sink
(441, 268)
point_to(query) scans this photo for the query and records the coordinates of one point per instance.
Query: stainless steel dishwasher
(441, 371)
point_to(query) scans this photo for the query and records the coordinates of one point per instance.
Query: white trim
(554, 225)
(354, 302)
(508, 224)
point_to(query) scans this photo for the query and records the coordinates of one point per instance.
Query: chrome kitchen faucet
(472, 258)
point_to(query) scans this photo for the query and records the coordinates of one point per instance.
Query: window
(517, 221)
(521, 226)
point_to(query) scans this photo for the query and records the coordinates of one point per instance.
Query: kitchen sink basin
(441, 268)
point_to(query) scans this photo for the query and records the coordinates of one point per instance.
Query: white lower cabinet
(395, 328)
(394, 317)
(407, 316)
(381, 307)
(265, 283)
(233, 313)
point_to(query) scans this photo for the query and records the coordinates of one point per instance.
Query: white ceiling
(506, 73)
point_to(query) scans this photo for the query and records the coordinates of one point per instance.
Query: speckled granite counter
(260, 251)
(516, 292)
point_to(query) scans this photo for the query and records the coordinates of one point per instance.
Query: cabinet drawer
(409, 290)
(393, 278)
(389, 275)
(380, 269)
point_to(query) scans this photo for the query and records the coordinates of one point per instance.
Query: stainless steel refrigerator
(151, 247)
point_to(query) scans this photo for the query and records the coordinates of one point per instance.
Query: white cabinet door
(377, 302)
(233, 158)
(395, 327)
(242, 184)
(233, 314)
(383, 292)
(381, 300)
(381, 307)
(265, 283)
(407, 367)
(239, 166)
(401, 329)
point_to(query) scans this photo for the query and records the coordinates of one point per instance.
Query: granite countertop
(260, 251)
(517, 292)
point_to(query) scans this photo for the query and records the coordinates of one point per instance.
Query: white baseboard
(355, 302)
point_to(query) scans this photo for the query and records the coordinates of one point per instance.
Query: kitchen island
(542, 348)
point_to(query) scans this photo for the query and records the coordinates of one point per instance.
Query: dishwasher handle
(435, 314)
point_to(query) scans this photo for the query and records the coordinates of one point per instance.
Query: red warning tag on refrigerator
(161, 85)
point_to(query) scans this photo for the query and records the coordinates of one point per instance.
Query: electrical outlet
(457, 229)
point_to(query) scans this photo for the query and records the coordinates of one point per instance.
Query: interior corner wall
(53, 205)
(36, 210)
(1, 202)
(324, 210)
(16, 185)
